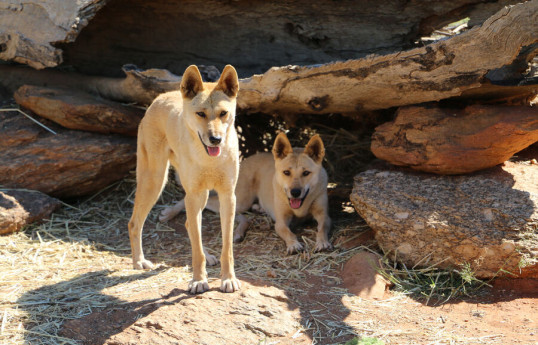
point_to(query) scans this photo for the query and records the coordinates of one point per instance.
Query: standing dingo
(192, 129)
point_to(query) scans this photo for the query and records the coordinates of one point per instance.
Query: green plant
(365, 341)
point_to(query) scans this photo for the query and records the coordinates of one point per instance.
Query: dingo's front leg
(319, 211)
(194, 204)
(227, 215)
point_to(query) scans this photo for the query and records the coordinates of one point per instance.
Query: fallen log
(455, 141)
(438, 71)
(79, 110)
(172, 34)
(31, 31)
(71, 163)
(441, 70)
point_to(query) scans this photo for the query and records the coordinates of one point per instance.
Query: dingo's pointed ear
(282, 146)
(315, 149)
(228, 82)
(191, 82)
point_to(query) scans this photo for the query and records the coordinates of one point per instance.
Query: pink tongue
(295, 203)
(213, 151)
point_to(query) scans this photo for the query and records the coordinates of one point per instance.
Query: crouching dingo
(288, 183)
(193, 129)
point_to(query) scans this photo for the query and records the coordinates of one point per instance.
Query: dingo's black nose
(215, 140)
(296, 192)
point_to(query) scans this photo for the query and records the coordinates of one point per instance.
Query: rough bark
(30, 30)
(79, 110)
(487, 220)
(256, 35)
(441, 70)
(19, 208)
(455, 141)
(71, 163)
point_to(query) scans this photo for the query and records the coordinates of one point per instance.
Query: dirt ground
(70, 281)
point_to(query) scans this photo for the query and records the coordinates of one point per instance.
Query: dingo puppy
(193, 129)
(288, 183)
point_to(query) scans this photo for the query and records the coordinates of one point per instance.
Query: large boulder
(22, 207)
(488, 219)
(66, 164)
(455, 141)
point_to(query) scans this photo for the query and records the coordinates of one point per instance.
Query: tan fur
(172, 132)
(262, 178)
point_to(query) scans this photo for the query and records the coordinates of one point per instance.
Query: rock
(71, 163)
(488, 219)
(253, 315)
(79, 110)
(361, 278)
(455, 141)
(22, 207)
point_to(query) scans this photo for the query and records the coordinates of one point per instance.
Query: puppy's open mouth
(296, 203)
(213, 151)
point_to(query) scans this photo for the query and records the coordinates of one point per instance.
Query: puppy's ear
(282, 146)
(315, 149)
(191, 82)
(228, 82)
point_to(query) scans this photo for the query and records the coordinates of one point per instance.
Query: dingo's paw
(294, 248)
(198, 286)
(230, 285)
(170, 212)
(142, 264)
(323, 245)
(211, 260)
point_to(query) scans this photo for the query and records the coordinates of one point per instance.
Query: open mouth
(213, 151)
(296, 203)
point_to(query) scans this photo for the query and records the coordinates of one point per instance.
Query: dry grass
(79, 260)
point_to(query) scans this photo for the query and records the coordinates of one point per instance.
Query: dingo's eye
(201, 114)
(223, 113)
(286, 172)
(306, 173)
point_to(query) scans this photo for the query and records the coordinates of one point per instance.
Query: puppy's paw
(323, 245)
(294, 248)
(142, 264)
(230, 285)
(198, 286)
(211, 260)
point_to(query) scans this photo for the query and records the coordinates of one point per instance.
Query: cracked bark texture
(441, 70)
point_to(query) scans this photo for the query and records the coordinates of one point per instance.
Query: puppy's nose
(295, 192)
(215, 140)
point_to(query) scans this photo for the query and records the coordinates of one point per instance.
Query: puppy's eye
(286, 172)
(306, 173)
(201, 114)
(223, 113)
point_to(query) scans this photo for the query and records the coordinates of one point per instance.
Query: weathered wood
(30, 30)
(79, 110)
(455, 141)
(441, 70)
(251, 35)
(71, 163)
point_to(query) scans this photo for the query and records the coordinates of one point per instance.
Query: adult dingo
(192, 129)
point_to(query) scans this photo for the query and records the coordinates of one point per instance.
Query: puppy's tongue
(213, 151)
(295, 203)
